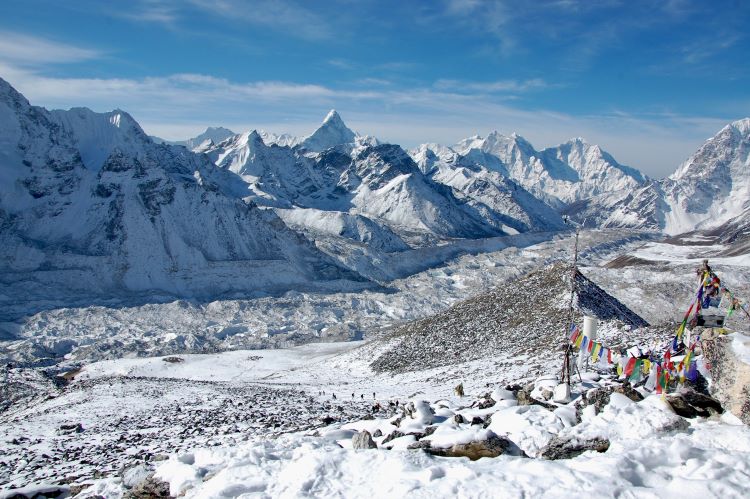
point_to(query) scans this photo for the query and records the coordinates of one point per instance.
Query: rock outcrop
(728, 358)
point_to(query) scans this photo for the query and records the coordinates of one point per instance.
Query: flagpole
(565, 376)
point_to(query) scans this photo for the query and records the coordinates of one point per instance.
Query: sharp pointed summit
(332, 132)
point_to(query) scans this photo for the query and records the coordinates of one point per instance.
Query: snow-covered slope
(89, 205)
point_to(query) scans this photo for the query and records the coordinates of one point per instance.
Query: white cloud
(293, 18)
(182, 105)
(492, 86)
(289, 16)
(29, 50)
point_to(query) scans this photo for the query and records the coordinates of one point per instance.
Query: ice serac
(91, 207)
(332, 132)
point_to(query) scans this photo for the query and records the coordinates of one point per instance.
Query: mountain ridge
(89, 205)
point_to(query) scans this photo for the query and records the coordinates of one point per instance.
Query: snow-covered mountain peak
(217, 130)
(497, 144)
(333, 117)
(10, 95)
(332, 132)
(742, 126)
(282, 140)
(727, 149)
(200, 142)
(214, 134)
(254, 137)
(98, 134)
(497, 140)
(711, 188)
(428, 156)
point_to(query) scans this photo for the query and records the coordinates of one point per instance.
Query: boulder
(599, 397)
(729, 366)
(566, 448)
(133, 475)
(492, 446)
(701, 400)
(363, 440)
(690, 404)
(546, 393)
(70, 428)
(392, 436)
(149, 488)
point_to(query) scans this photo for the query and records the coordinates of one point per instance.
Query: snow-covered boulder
(474, 444)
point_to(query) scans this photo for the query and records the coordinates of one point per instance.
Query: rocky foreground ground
(93, 429)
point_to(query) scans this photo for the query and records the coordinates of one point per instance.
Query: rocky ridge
(523, 317)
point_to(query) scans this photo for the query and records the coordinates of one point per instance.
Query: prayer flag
(646, 366)
(630, 366)
(574, 334)
(636, 373)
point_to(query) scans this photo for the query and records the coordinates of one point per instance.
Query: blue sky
(647, 80)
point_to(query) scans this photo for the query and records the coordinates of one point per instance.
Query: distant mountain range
(90, 204)
(709, 190)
